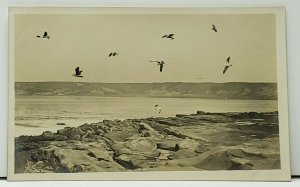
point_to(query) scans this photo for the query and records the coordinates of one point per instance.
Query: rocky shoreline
(201, 141)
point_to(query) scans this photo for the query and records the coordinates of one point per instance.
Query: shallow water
(35, 114)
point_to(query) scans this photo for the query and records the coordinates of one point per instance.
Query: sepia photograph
(148, 94)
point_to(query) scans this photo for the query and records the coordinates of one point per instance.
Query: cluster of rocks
(201, 141)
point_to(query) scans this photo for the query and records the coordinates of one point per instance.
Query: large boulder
(147, 131)
(48, 136)
(200, 113)
(168, 145)
(74, 160)
(188, 144)
(142, 144)
(100, 154)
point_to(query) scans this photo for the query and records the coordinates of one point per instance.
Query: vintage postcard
(148, 94)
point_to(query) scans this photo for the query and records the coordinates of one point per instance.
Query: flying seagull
(112, 54)
(214, 28)
(77, 73)
(227, 65)
(44, 36)
(158, 108)
(169, 36)
(160, 64)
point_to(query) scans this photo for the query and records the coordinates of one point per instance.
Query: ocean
(36, 114)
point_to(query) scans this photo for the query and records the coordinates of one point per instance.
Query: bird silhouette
(169, 36)
(214, 28)
(228, 59)
(160, 64)
(112, 54)
(77, 73)
(227, 65)
(44, 36)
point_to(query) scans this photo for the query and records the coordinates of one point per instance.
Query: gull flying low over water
(112, 54)
(158, 108)
(214, 28)
(227, 65)
(169, 36)
(44, 36)
(160, 64)
(77, 73)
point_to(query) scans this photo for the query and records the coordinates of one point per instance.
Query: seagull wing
(77, 71)
(228, 59)
(171, 35)
(214, 28)
(45, 34)
(161, 67)
(110, 54)
(225, 68)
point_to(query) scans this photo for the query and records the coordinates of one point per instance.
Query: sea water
(35, 114)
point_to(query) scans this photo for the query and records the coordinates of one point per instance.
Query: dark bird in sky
(169, 36)
(160, 64)
(77, 72)
(227, 65)
(112, 54)
(228, 59)
(214, 28)
(44, 36)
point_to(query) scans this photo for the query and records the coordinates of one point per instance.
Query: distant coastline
(230, 90)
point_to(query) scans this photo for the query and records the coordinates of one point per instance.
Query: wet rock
(216, 161)
(181, 115)
(65, 131)
(254, 115)
(100, 154)
(60, 138)
(203, 141)
(184, 153)
(48, 136)
(74, 137)
(70, 160)
(135, 161)
(200, 113)
(142, 144)
(240, 164)
(188, 144)
(60, 124)
(163, 155)
(202, 148)
(147, 131)
(167, 121)
(80, 147)
(168, 145)
(174, 133)
(126, 161)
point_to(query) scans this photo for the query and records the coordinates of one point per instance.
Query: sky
(197, 54)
